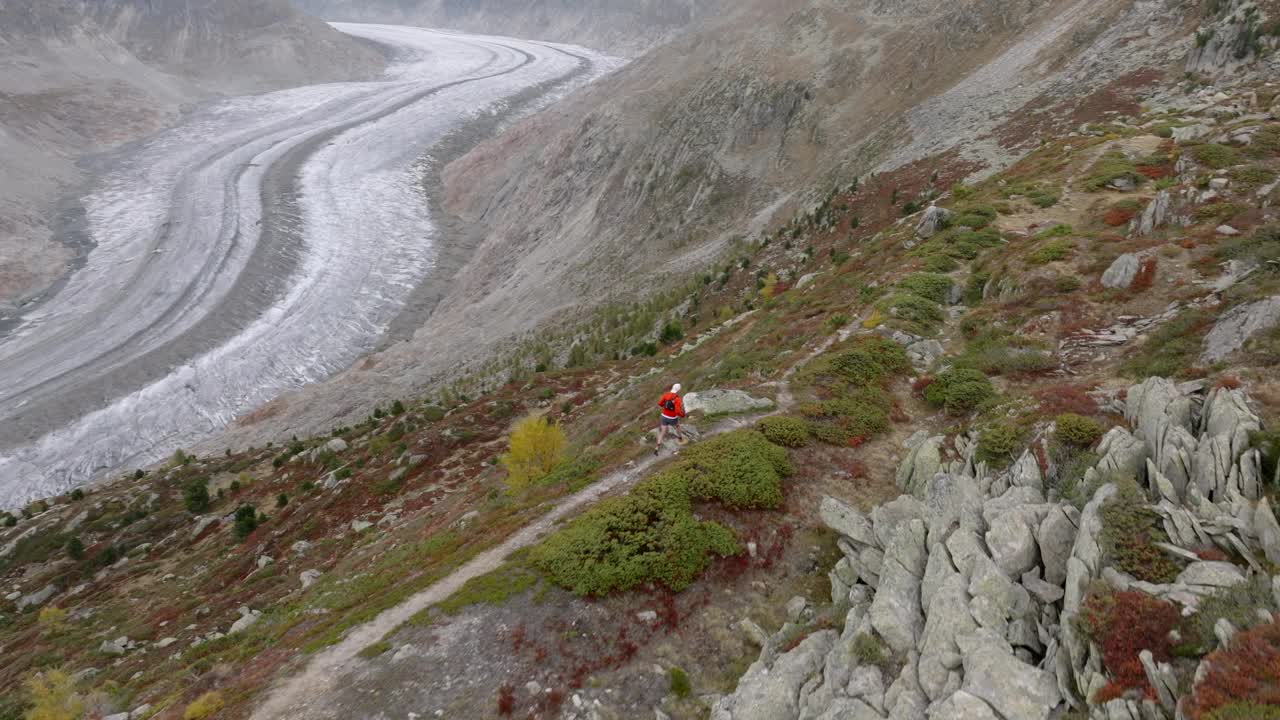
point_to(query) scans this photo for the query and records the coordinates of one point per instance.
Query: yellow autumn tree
(535, 448)
(770, 287)
(53, 696)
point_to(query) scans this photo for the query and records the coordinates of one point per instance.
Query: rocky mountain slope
(83, 77)
(618, 26)
(998, 449)
(642, 179)
(989, 358)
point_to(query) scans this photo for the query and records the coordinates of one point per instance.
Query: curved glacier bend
(265, 244)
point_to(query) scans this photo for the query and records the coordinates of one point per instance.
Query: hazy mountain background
(622, 26)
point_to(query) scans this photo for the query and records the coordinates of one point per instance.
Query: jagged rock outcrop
(980, 577)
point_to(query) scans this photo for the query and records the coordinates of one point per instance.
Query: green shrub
(1238, 604)
(785, 431)
(680, 685)
(919, 315)
(867, 649)
(651, 534)
(830, 434)
(1253, 176)
(999, 352)
(742, 470)
(246, 521)
(204, 706)
(1110, 167)
(1245, 710)
(195, 496)
(930, 286)
(869, 362)
(1162, 131)
(1171, 349)
(1215, 156)
(968, 245)
(370, 652)
(671, 332)
(1054, 251)
(431, 413)
(1129, 533)
(959, 390)
(1261, 248)
(997, 443)
(974, 216)
(940, 264)
(1077, 430)
(75, 549)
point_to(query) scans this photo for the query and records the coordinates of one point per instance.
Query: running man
(672, 410)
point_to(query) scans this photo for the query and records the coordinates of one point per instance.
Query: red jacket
(678, 412)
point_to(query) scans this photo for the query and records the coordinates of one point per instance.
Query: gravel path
(327, 669)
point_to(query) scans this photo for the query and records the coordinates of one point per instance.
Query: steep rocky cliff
(625, 26)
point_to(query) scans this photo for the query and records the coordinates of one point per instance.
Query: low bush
(785, 431)
(1253, 176)
(930, 286)
(651, 534)
(1129, 532)
(204, 706)
(999, 352)
(246, 521)
(1077, 430)
(869, 361)
(1262, 248)
(1054, 251)
(1215, 156)
(919, 315)
(997, 443)
(1111, 167)
(1123, 624)
(680, 685)
(1171, 349)
(671, 332)
(52, 696)
(975, 217)
(1239, 604)
(195, 496)
(868, 649)
(1241, 678)
(959, 390)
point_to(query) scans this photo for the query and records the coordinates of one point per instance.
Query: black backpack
(669, 405)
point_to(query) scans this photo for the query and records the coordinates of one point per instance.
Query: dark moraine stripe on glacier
(69, 396)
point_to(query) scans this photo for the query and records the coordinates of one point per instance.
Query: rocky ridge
(976, 580)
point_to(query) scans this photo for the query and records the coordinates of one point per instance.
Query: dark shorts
(670, 422)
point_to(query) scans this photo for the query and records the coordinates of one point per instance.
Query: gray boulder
(1056, 536)
(896, 613)
(1155, 213)
(772, 691)
(934, 220)
(1211, 574)
(1267, 531)
(724, 402)
(847, 521)
(1122, 271)
(1015, 690)
(921, 464)
(995, 599)
(962, 705)
(37, 598)
(1234, 328)
(948, 618)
